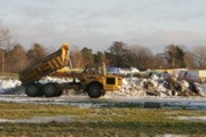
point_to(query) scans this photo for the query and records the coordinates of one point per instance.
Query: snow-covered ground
(8, 84)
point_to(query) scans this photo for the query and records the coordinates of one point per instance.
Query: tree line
(14, 57)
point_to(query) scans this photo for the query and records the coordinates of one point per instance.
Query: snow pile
(54, 80)
(125, 72)
(8, 84)
(14, 86)
(130, 87)
(159, 86)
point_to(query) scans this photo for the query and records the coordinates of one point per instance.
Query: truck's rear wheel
(32, 90)
(103, 93)
(49, 90)
(94, 90)
(59, 93)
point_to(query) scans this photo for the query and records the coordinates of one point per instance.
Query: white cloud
(96, 24)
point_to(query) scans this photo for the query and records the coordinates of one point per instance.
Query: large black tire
(32, 90)
(59, 93)
(103, 93)
(94, 90)
(50, 90)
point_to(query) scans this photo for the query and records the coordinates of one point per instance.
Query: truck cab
(96, 82)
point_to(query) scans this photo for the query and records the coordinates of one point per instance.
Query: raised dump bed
(47, 65)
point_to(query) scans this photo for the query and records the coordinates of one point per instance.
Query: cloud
(52, 38)
(35, 13)
(182, 16)
(157, 40)
(94, 24)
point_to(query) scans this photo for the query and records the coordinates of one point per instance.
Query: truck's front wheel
(94, 90)
(49, 90)
(32, 90)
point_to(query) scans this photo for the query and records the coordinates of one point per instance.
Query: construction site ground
(84, 101)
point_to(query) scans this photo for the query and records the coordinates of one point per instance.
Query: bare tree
(16, 59)
(159, 61)
(189, 60)
(5, 44)
(140, 57)
(200, 56)
(5, 37)
(36, 53)
(77, 58)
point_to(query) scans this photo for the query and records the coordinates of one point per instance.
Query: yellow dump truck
(94, 82)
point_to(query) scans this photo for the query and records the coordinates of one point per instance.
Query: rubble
(161, 86)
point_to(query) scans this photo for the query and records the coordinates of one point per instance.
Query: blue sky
(97, 23)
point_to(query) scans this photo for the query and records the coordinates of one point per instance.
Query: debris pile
(159, 86)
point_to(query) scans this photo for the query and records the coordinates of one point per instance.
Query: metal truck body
(95, 83)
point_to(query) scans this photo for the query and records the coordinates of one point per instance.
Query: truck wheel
(59, 93)
(94, 90)
(103, 93)
(49, 90)
(32, 90)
